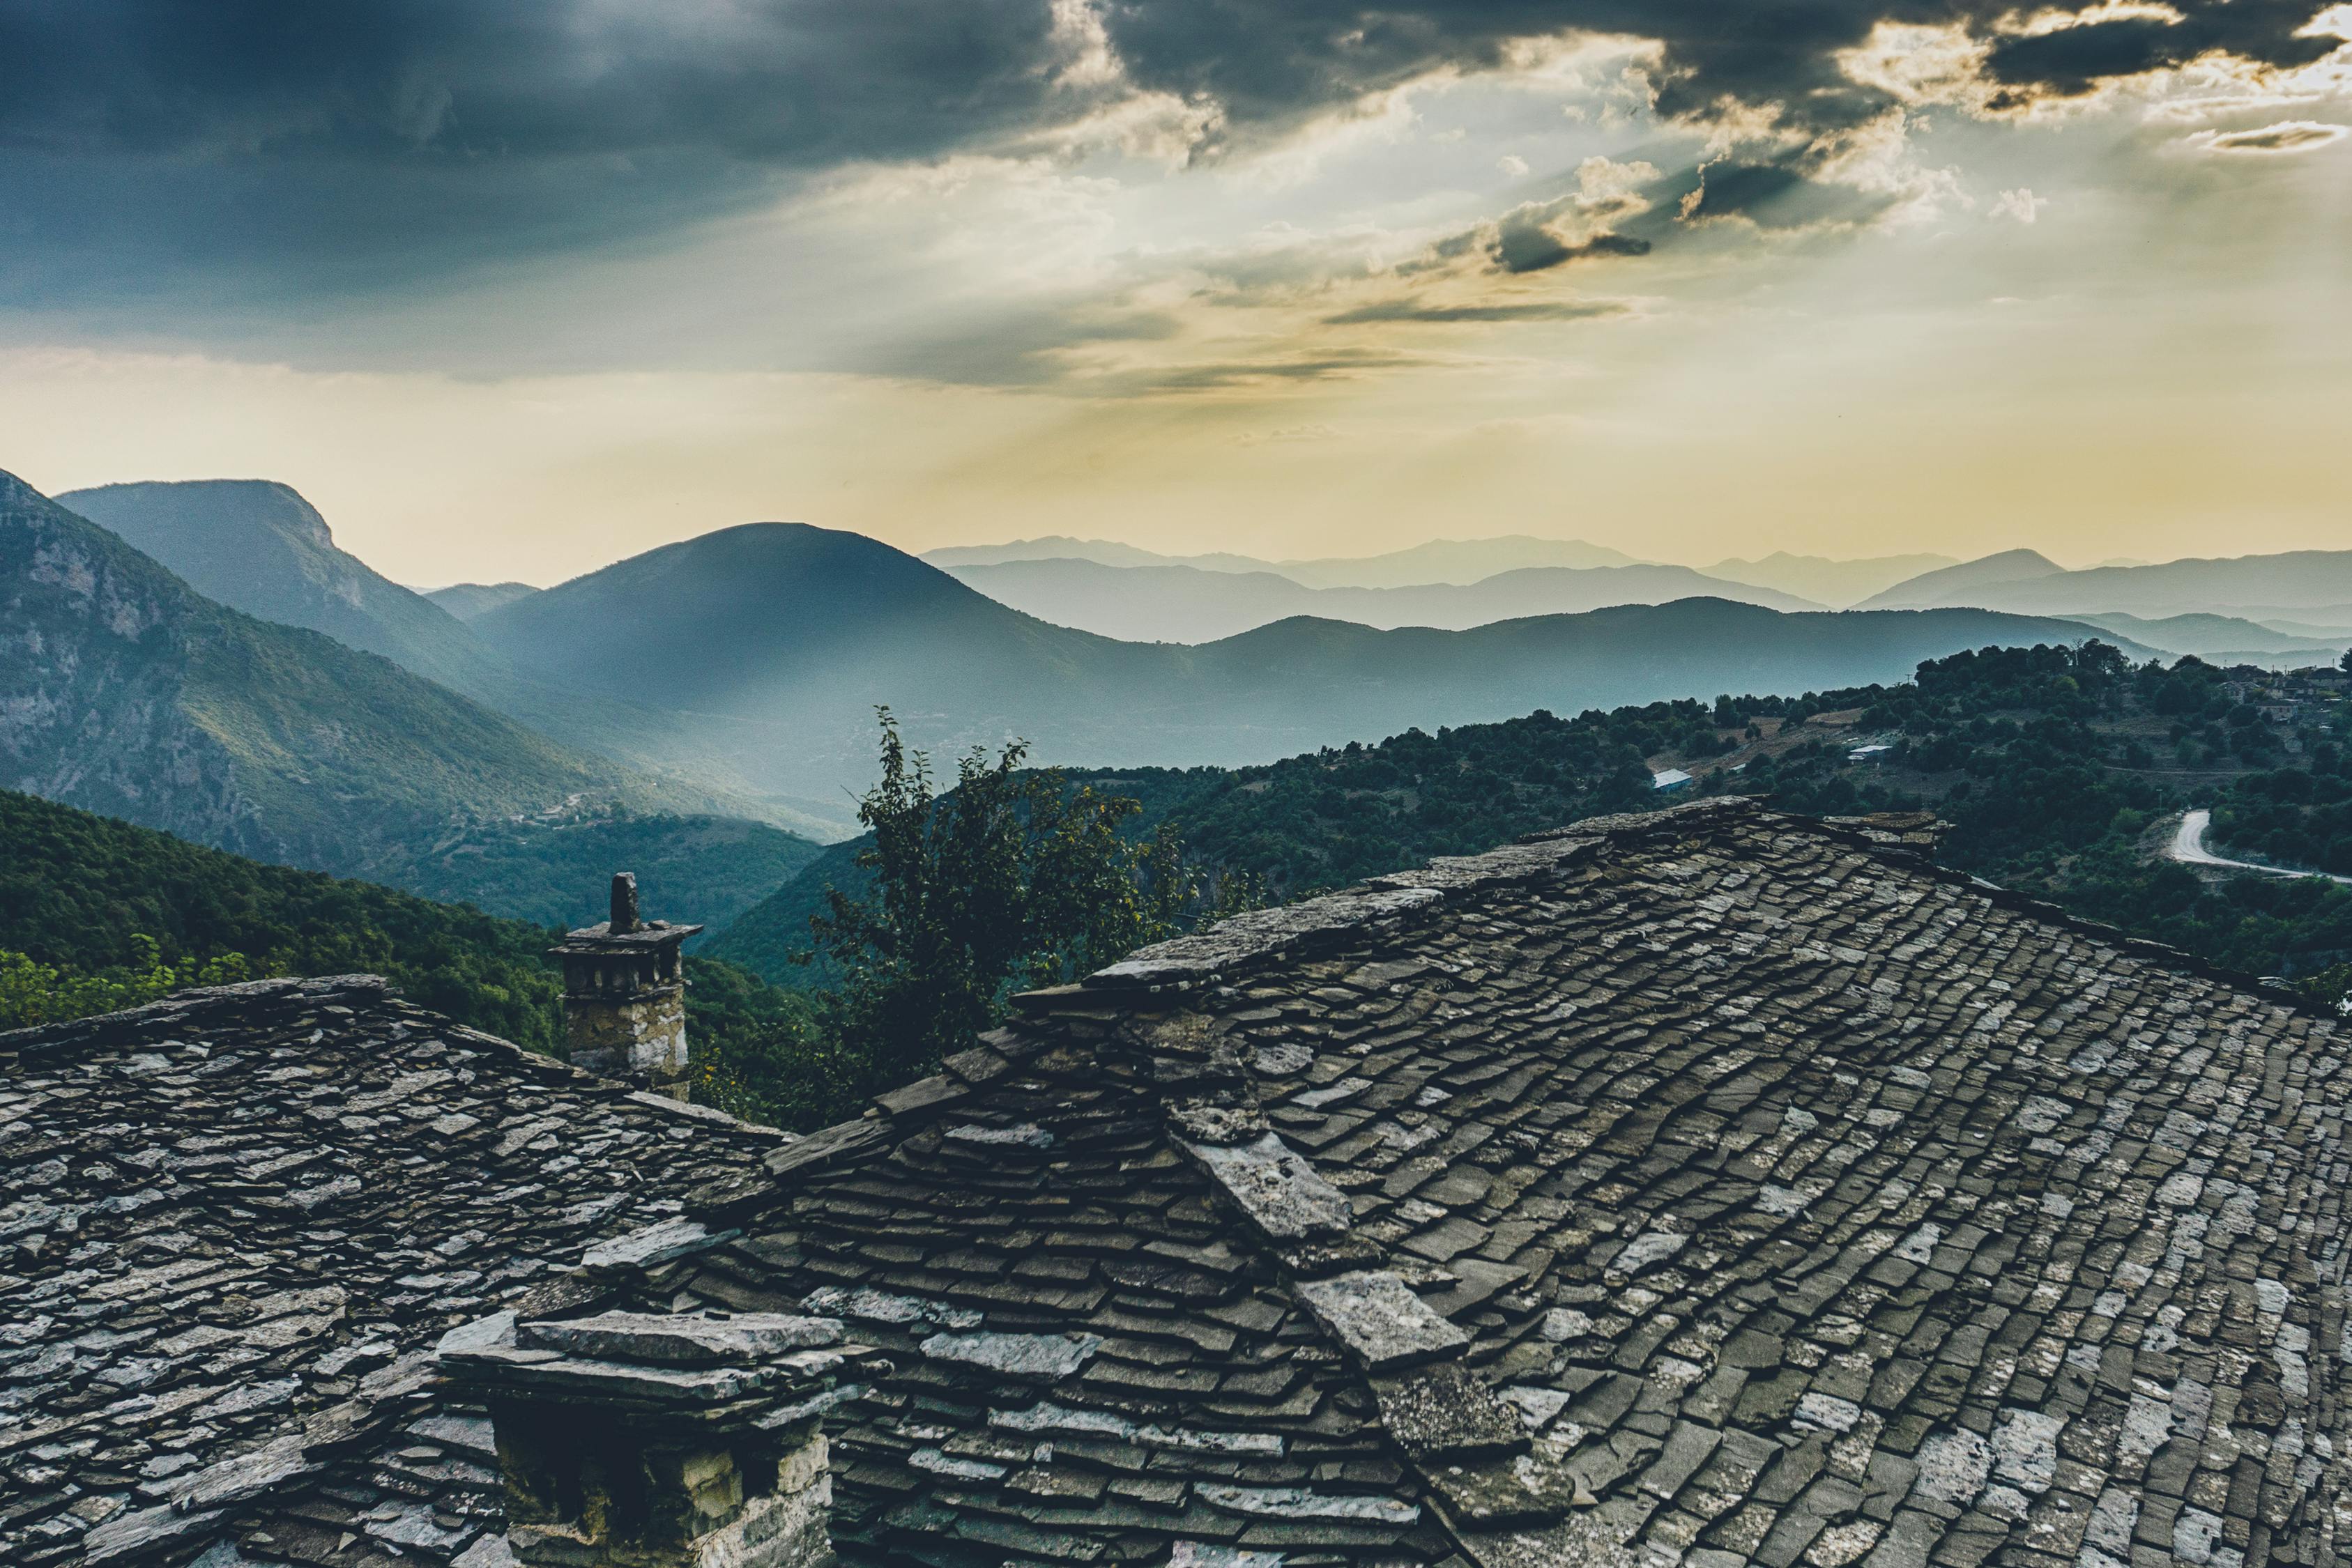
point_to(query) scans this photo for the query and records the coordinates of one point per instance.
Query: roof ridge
(1387, 902)
(44, 1039)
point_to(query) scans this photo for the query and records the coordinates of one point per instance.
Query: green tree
(32, 992)
(1011, 879)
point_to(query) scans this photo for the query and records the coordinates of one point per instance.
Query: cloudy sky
(512, 291)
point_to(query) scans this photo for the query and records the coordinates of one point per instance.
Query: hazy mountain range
(259, 546)
(777, 641)
(1189, 604)
(1816, 579)
(2314, 585)
(724, 685)
(128, 692)
(2265, 609)
(123, 690)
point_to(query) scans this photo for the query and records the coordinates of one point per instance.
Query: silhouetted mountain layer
(1185, 604)
(776, 641)
(467, 600)
(1457, 562)
(1836, 583)
(2253, 586)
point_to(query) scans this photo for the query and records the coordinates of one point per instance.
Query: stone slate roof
(1710, 1186)
(234, 1224)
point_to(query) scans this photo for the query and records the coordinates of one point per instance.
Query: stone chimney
(624, 996)
(638, 1440)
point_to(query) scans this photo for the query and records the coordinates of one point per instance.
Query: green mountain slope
(123, 690)
(556, 869)
(776, 641)
(77, 890)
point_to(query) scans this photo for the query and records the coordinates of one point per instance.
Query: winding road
(2188, 848)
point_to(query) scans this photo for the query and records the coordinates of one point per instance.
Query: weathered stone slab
(653, 1247)
(1048, 1355)
(1276, 1186)
(1447, 1412)
(552, 1375)
(1381, 1321)
(1302, 1503)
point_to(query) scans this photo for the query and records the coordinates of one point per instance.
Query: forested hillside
(95, 914)
(2056, 767)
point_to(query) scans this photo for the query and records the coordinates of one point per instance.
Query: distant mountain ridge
(1186, 604)
(1836, 583)
(1456, 561)
(2224, 639)
(1950, 585)
(2024, 582)
(775, 641)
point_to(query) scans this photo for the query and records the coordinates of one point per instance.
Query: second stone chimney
(635, 1440)
(624, 996)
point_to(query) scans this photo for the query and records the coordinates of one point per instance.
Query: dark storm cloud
(1534, 249)
(2072, 61)
(275, 149)
(451, 82)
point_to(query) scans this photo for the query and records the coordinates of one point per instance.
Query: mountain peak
(224, 505)
(1956, 585)
(256, 545)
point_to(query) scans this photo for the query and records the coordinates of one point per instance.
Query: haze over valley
(734, 676)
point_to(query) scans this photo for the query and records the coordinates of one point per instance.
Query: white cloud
(2021, 203)
(1511, 163)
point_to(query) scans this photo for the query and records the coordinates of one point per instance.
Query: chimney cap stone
(683, 1340)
